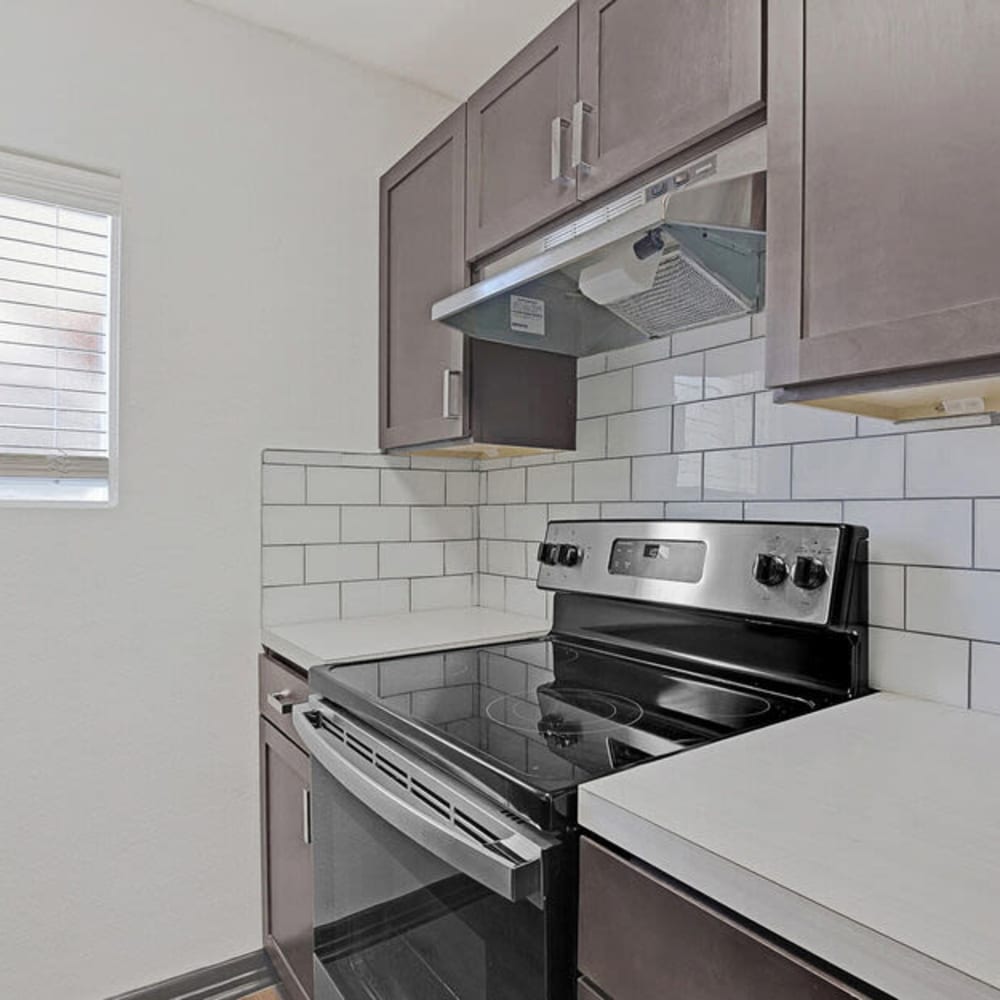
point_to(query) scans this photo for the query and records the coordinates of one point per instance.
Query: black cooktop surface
(531, 720)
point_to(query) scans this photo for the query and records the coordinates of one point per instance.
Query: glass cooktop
(545, 715)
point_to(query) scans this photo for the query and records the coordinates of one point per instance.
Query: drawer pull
(282, 701)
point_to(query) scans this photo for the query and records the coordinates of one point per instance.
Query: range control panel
(783, 571)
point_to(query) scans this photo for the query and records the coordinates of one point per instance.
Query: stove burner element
(569, 712)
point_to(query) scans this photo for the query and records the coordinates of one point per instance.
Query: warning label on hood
(527, 315)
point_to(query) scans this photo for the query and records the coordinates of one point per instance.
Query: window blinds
(56, 264)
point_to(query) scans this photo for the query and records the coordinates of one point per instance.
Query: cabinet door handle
(281, 701)
(447, 409)
(307, 833)
(559, 125)
(580, 109)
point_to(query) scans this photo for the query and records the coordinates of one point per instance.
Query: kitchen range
(444, 786)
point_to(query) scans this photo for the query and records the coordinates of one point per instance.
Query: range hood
(683, 251)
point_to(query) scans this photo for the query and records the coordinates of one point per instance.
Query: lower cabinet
(641, 937)
(286, 852)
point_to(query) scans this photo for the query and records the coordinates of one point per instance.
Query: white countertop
(867, 834)
(312, 643)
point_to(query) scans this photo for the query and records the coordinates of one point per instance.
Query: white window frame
(88, 191)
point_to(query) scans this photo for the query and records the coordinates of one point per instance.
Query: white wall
(128, 818)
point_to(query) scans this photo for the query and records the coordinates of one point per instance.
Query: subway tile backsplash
(677, 428)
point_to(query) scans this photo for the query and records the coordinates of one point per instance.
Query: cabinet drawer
(641, 938)
(280, 688)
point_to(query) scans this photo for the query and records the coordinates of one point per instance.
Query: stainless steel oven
(425, 889)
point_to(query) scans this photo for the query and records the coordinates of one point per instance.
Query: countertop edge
(859, 950)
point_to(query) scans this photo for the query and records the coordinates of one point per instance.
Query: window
(59, 251)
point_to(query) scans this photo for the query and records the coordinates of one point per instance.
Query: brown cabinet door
(642, 938)
(519, 141)
(286, 860)
(422, 259)
(884, 147)
(657, 75)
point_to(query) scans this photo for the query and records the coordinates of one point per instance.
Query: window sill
(20, 491)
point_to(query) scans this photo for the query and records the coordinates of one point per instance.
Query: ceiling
(449, 46)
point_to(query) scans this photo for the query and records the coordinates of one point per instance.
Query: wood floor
(271, 993)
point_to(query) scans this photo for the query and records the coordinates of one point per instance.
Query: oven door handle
(509, 866)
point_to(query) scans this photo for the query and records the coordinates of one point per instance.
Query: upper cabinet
(519, 140)
(437, 388)
(610, 88)
(421, 362)
(883, 150)
(656, 76)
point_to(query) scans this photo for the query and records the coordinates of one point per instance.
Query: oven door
(425, 890)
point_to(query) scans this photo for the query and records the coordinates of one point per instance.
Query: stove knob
(769, 570)
(808, 573)
(569, 555)
(548, 553)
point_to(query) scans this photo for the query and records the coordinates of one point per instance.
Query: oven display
(668, 559)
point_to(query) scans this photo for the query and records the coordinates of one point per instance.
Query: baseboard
(229, 980)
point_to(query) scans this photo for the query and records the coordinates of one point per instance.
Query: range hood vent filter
(683, 296)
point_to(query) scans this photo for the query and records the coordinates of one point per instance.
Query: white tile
(460, 557)
(506, 558)
(715, 423)
(550, 484)
(290, 605)
(506, 486)
(985, 692)
(574, 511)
(298, 525)
(374, 524)
(663, 383)
(642, 432)
(434, 524)
(527, 521)
(491, 591)
(283, 484)
(449, 464)
(491, 521)
(953, 463)
(601, 394)
(462, 487)
(591, 441)
(639, 354)
(334, 563)
(886, 596)
(748, 474)
(412, 486)
(716, 335)
(522, 597)
(333, 485)
(861, 468)
(683, 511)
(924, 532)
(988, 534)
(789, 423)
(441, 592)
(282, 564)
(627, 511)
(411, 559)
(817, 511)
(591, 365)
(666, 477)
(372, 598)
(607, 480)
(955, 602)
(921, 666)
(736, 369)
